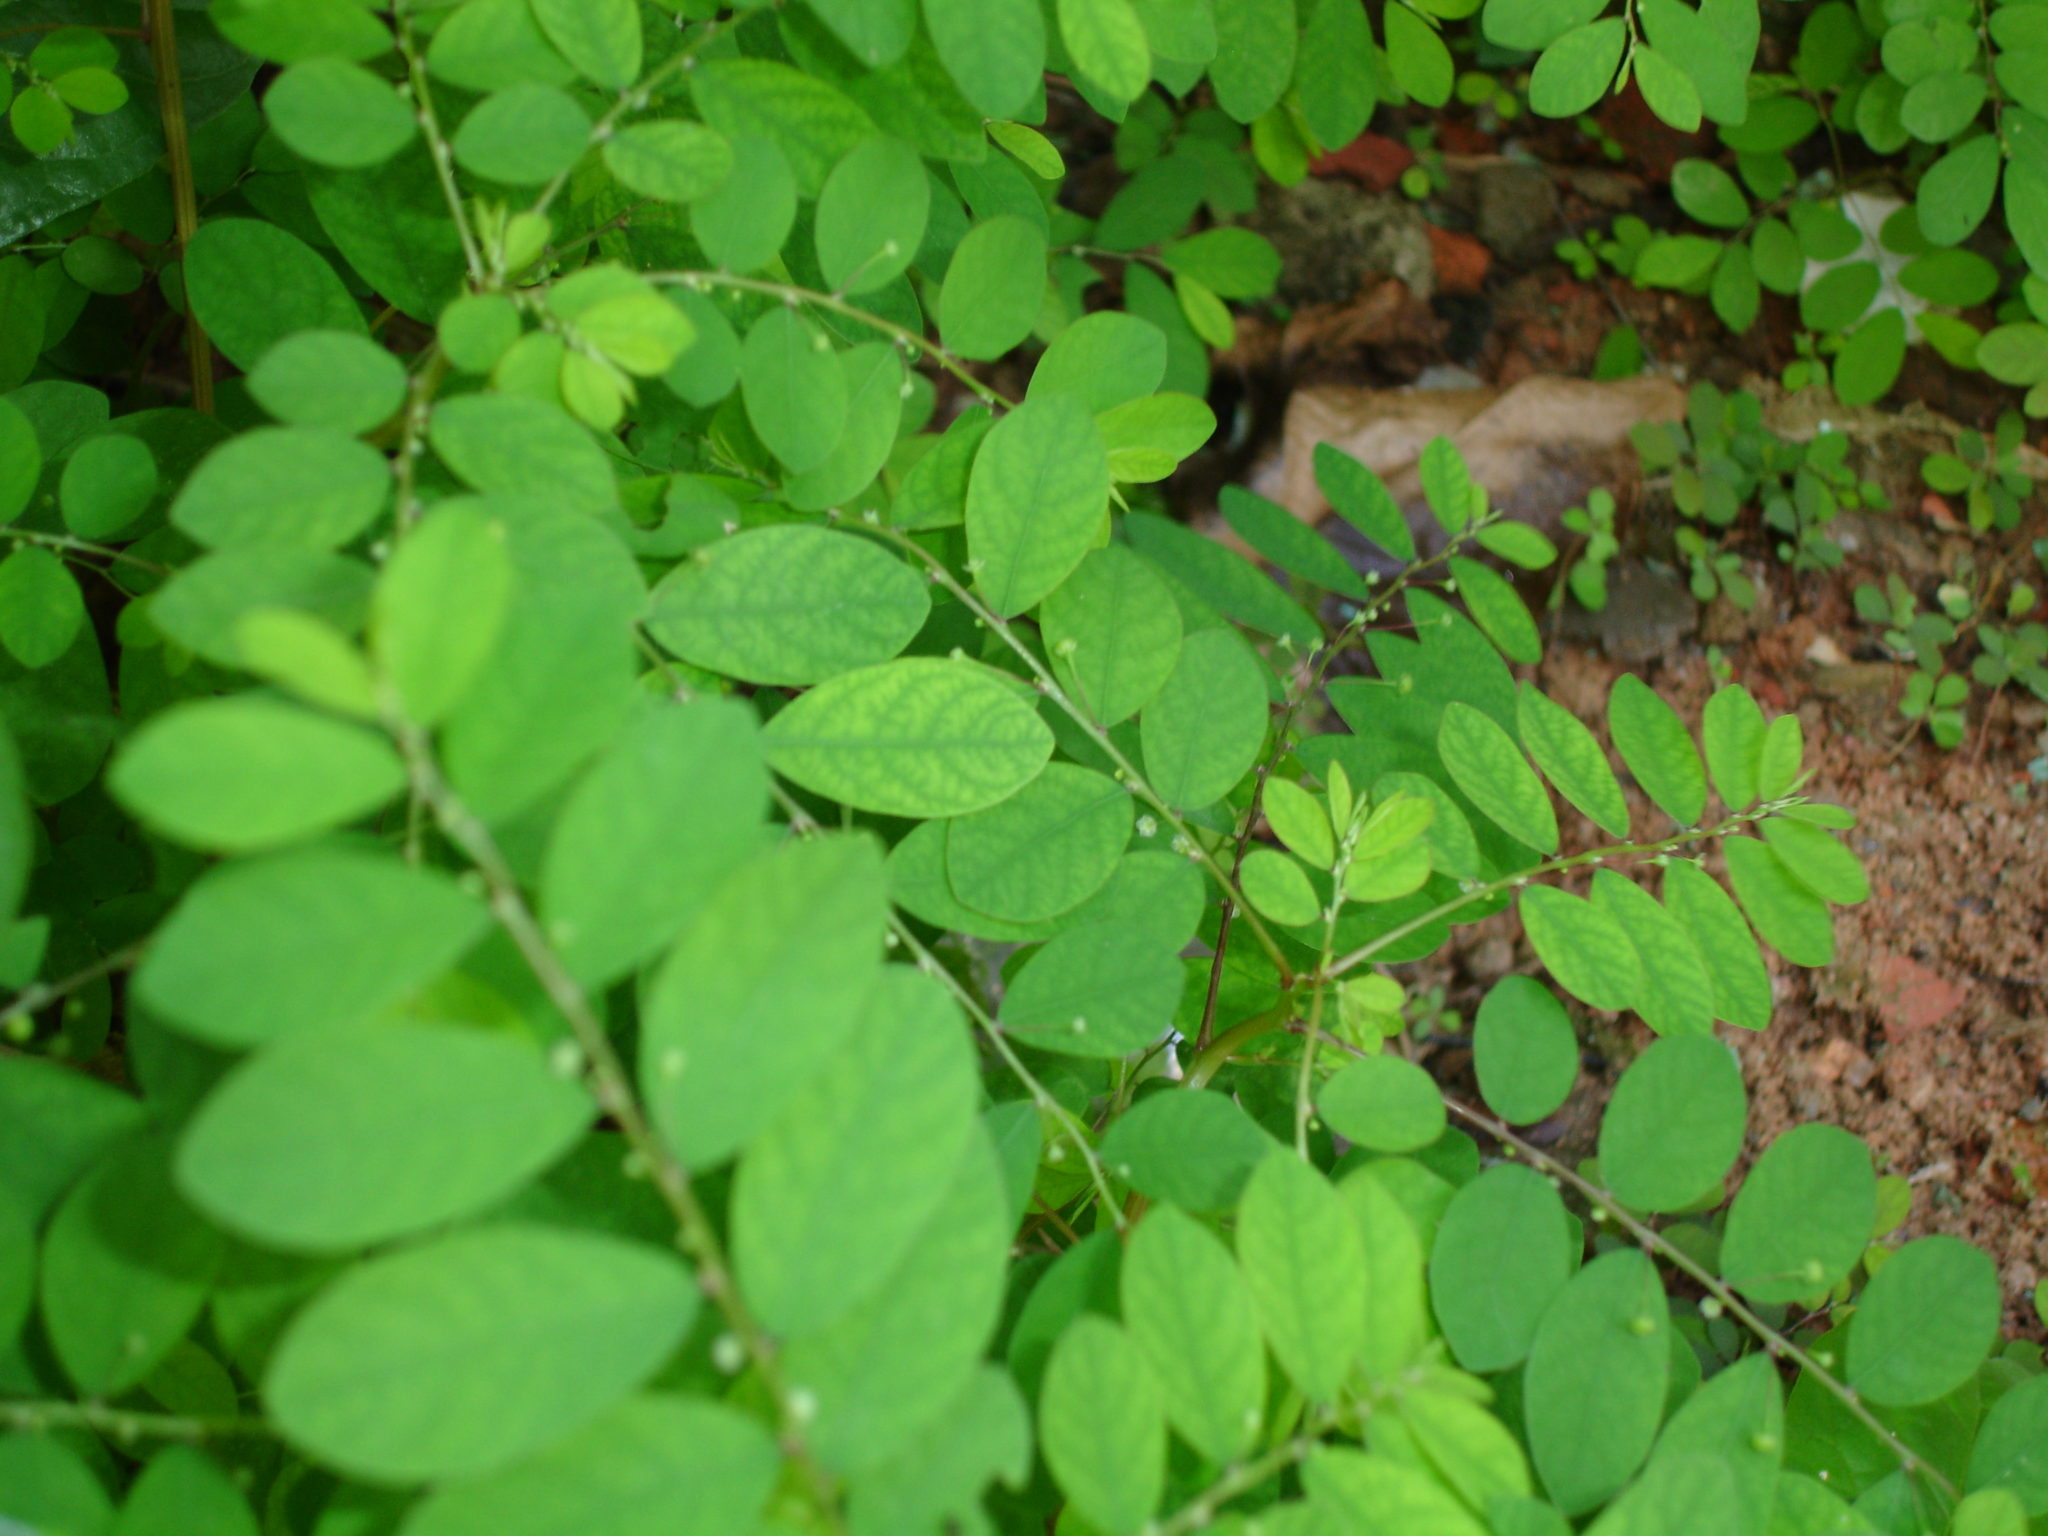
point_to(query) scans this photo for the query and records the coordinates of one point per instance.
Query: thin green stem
(40, 994)
(1200, 1513)
(790, 293)
(161, 32)
(612, 1087)
(65, 542)
(422, 94)
(127, 1426)
(1208, 1062)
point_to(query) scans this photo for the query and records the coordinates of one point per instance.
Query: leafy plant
(617, 924)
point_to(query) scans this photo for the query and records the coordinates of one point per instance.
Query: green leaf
(1735, 294)
(763, 985)
(1518, 544)
(1299, 820)
(1102, 1426)
(1667, 89)
(1101, 989)
(237, 774)
(41, 609)
(994, 287)
(530, 133)
(1469, 1448)
(1485, 763)
(2008, 1449)
(1147, 438)
(1418, 57)
(1786, 913)
(1113, 631)
(875, 390)
(1777, 762)
(1657, 748)
(1194, 1149)
(675, 804)
(1447, 485)
(334, 1139)
(1044, 850)
(438, 607)
(1524, 1050)
(813, 123)
(1189, 1311)
(1673, 1127)
(600, 38)
(794, 388)
(1384, 1103)
(1497, 609)
(1585, 950)
(1677, 996)
(49, 1487)
(1732, 731)
(1103, 359)
(707, 1467)
(1279, 888)
(458, 1356)
(747, 606)
(1570, 757)
(253, 283)
(1821, 863)
(672, 161)
(1576, 70)
(913, 737)
(814, 1232)
(21, 459)
(1709, 194)
(1362, 499)
(1502, 1253)
(871, 216)
(1742, 988)
(876, 31)
(302, 941)
(1594, 1388)
(993, 49)
(184, 1493)
(312, 487)
(1106, 41)
(1360, 1491)
(1036, 500)
(1870, 360)
(1203, 731)
(1300, 1247)
(1956, 191)
(336, 379)
(488, 45)
(1396, 1306)
(1924, 1323)
(1336, 76)
(1231, 262)
(54, 1123)
(335, 113)
(1289, 543)
(742, 223)
(1802, 1217)
(1255, 56)
(125, 1269)
(1533, 25)
(1217, 576)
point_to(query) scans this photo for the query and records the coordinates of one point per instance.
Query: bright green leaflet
(2008, 1452)
(305, 486)
(438, 608)
(1585, 950)
(871, 216)
(332, 379)
(1279, 887)
(675, 162)
(1570, 757)
(1384, 1103)
(1524, 1050)
(336, 1139)
(1189, 1311)
(1101, 1426)
(253, 284)
(1299, 1247)
(1105, 359)
(747, 605)
(1925, 1322)
(1203, 731)
(336, 113)
(1359, 1490)
(1485, 763)
(1655, 744)
(303, 940)
(1036, 500)
(1594, 1387)
(814, 1232)
(1502, 1252)
(1099, 989)
(914, 737)
(1497, 609)
(54, 1123)
(1802, 1216)
(1113, 631)
(1673, 1127)
(239, 774)
(1732, 731)
(1821, 863)
(794, 388)
(1786, 913)
(1193, 1149)
(768, 979)
(183, 1491)
(508, 443)
(1044, 850)
(994, 49)
(1742, 987)
(994, 286)
(1283, 539)
(464, 1353)
(1677, 996)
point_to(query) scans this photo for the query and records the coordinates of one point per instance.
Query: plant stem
(161, 31)
(421, 92)
(64, 541)
(612, 1087)
(125, 1425)
(40, 994)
